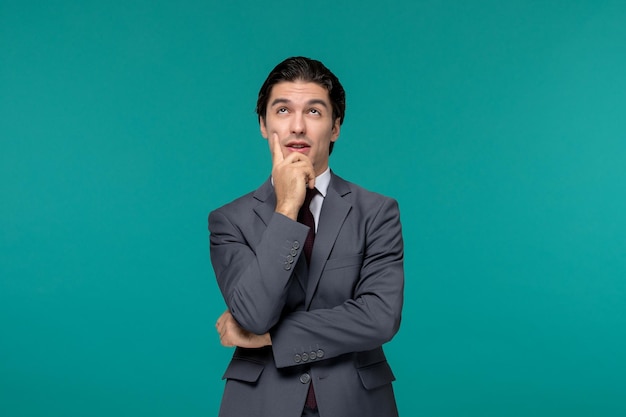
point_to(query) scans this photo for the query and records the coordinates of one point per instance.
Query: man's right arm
(254, 277)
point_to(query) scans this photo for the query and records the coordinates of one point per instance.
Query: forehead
(299, 91)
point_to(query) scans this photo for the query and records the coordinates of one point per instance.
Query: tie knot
(310, 193)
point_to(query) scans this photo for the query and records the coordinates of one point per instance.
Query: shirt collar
(322, 181)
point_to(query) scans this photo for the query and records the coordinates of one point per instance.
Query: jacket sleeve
(254, 277)
(367, 319)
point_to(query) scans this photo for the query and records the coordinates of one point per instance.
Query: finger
(309, 175)
(223, 318)
(277, 153)
(223, 334)
(303, 163)
(226, 338)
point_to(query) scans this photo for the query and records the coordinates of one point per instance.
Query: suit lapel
(334, 212)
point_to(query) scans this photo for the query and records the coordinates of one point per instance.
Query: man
(308, 324)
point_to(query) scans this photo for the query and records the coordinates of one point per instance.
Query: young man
(310, 267)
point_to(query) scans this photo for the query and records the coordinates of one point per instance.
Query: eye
(282, 110)
(314, 111)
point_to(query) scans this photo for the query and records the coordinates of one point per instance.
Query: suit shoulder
(237, 204)
(361, 195)
(246, 202)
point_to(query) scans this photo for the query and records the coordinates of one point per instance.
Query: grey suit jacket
(327, 322)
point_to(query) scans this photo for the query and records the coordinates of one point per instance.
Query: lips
(298, 146)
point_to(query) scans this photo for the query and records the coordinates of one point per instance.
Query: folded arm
(366, 319)
(369, 316)
(254, 277)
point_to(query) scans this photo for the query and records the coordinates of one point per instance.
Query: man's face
(302, 115)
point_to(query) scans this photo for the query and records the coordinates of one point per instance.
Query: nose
(298, 126)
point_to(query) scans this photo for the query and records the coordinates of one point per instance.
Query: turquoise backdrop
(499, 126)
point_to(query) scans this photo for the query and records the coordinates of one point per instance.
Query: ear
(336, 130)
(263, 127)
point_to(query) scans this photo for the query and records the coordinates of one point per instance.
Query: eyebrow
(310, 102)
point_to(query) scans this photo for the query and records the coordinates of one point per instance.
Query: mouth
(297, 146)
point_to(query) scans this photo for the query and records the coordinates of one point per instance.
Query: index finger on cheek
(277, 153)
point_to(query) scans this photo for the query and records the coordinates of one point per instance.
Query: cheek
(278, 126)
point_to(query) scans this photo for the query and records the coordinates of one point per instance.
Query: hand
(232, 334)
(291, 177)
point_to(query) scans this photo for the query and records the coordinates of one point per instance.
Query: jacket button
(305, 378)
(320, 353)
(296, 244)
(297, 358)
(287, 267)
(312, 356)
(305, 357)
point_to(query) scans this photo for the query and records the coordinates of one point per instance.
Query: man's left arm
(368, 319)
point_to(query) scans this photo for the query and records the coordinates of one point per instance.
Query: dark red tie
(306, 217)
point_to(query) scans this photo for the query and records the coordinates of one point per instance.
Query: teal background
(498, 125)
